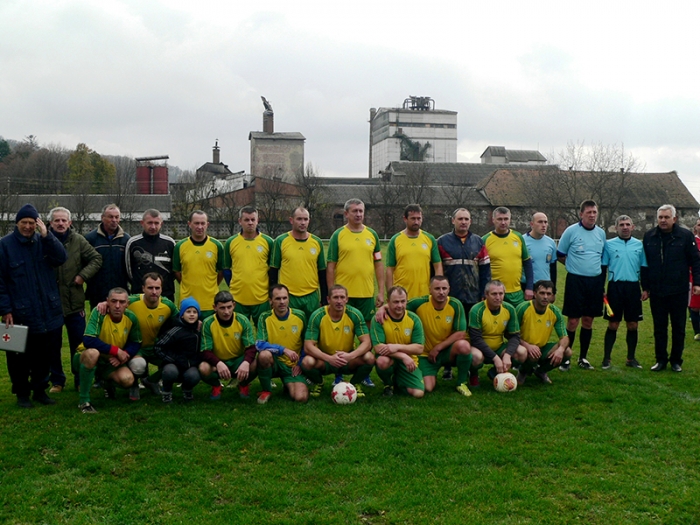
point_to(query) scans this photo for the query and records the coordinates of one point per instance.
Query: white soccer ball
(344, 393)
(505, 382)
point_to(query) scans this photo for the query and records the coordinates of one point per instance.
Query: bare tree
(275, 201)
(386, 200)
(123, 186)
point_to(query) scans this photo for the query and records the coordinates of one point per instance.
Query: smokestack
(268, 121)
(216, 159)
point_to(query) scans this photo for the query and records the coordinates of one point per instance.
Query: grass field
(597, 447)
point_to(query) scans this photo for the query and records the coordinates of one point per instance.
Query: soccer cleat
(388, 391)
(676, 367)
(368, 382)
(167, 397)
(244, 391)
(474, 381)
(542, 376)
(264, 397)
(358, 388)
(585, 364)
(153, 387)
(492, 373)
(87, 408)
(24, 402)
(565, 366)
(633, 363)
(316, 390)
(606, 364)
(447, 375)
(658, 367)
(188, 395)
(521, 378)
(696, 337)
(232, 383)
(464, 390)
(110, 392)
(215, 393)
(41, 397)
(273, 385)
(56, 389)
(338, 379)
(134, 393)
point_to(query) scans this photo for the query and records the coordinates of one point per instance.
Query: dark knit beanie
(27, 212)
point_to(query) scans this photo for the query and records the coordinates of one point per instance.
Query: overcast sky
(144, 78)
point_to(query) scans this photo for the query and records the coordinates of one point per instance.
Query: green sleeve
(434, 251)
(219, 255)
(270, 247)
(227, 253)
(513, 324)
(559, 325)
(416, 303)
(276, 261)
(174, 312)
(300, 314)
(476, 315)
(357, 320)
(333, 246)
(417, 334)
(313, 330)
(247, 337)
(262, 326)
(321, 261)
(526, 254)
(486, 237)
(391, 252)
(177, 265)
(135, 332)
(376, 333)
(94, 324)
(520, 311)
(460, 321)
(207, 339)
(377, 246)
(134, 298)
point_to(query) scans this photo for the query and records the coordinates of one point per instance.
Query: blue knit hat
(27, 212)
(190, 302)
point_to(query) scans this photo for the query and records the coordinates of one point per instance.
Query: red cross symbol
(6, 337)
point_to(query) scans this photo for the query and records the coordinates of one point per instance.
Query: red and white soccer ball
(344, 393)
(505, 382)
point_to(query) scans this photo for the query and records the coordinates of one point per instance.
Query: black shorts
(583, 296)
(625, 299)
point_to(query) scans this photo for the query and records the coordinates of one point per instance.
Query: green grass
(602, 447)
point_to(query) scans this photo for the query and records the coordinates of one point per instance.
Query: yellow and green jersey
(200, 264)
(406, 331)
(151, 319)
(287, 332)
(536, 328)
(438, 325)
(227, 342)
(494, 326)
(249, 262)
(507, 253)
(355, 254)
(115, 334)
(336, 336)
(411, 259)
(299, 263)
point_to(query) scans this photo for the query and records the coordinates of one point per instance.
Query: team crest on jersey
(209, 254)
(313, 251)
(237, 335)
(448, 319)
(259, 248)
(161, 318)
(549, 257)
(346, 329)
(424, 246)
(515, 243)
(505, 323)
(295, 329)
(406, 332)
(549, 323)
(369, 242)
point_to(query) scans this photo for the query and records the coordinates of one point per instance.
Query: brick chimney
(217, 158)
(268, 121)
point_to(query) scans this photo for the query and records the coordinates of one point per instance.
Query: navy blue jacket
(112, 274)
(668, 258)
(28, 287)
(466, 266)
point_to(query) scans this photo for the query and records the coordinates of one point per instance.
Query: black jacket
(151, 253)
(180, 346)
(669, 256)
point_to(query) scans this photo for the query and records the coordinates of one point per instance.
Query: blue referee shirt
(583, 249)
(543, 252)
(624, 259)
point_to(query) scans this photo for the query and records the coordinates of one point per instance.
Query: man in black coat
(670, 251)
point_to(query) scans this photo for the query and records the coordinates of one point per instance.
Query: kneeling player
(280, 340)
(538, 319)
(398, 342)
(330, 341)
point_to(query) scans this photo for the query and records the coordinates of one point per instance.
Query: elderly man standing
(670, 251)
(109, 239)
(29, 296)
(82, 264)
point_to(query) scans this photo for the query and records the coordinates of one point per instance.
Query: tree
(387, 201)
(4, 149)
(123, 186)
(88, 170)
(275, 201)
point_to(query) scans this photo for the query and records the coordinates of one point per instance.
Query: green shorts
(306, 303)
(343, 370)
(515, 298)
(545, 350)
(103, 369)
(366, 306)
(405, 379)
(284, 372)
(431, 369)
(232, 365)
(499, 351)
(252, 312)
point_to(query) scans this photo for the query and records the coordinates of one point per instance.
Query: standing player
(538, 319)
(494, 332)
(280, 342)
(247, 255)
(109, 342)
(330, 342)
(624, 257)
(298, 262)
(410, 255)
(398, 342)
(542, 250)
(198, 263)
(581, 250)
(694, 302)
(228, 348)
(509, 258)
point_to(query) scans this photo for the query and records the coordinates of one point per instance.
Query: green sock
(361, 372)
(464, 363)
(314, 374)
(387, 376)
(87, 377)
(265, 376)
